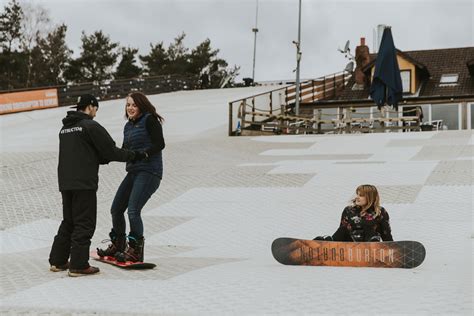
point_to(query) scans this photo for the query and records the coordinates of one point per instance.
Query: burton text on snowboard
(389, 254)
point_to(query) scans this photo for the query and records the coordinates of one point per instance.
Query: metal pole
(255, 30)
(298, 58)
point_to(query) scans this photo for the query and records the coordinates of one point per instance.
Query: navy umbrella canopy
(386, 88)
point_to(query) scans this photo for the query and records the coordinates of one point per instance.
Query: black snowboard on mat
(389, 254)
(124, 265)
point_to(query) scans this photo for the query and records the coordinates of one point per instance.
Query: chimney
(362, 59)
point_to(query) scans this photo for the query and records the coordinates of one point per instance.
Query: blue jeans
(134, 191)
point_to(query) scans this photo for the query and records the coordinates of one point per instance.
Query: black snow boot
(134, 251)
(325, 238)
(117, 245)
(375, 238)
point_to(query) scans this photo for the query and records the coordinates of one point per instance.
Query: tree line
(33, 53)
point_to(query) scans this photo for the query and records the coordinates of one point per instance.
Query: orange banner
(28, 100)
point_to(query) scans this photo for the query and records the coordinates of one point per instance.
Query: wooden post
(382, 115)
(348, 119)
(242, 113)
(253, 109)
(324, 87)
(230, 119)
(400, 121)
(338, 120)
(320, 116)
(282, 113)
(271, 103)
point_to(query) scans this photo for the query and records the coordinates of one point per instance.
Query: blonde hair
(373, 199)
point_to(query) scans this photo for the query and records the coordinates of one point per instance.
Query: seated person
(364, 219)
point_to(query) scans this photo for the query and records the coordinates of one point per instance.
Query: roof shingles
(437, 62)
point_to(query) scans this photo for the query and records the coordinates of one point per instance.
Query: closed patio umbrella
(386, 88)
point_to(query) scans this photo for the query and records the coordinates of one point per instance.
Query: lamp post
(298, 59)
(255, 30)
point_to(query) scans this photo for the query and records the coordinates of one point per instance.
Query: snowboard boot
(375, 238)
(357, 235)
(324, 238)
(134, 251)
(371, 235)
(117, 244)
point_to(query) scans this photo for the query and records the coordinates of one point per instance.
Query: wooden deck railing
(255, 110)
(346, 120)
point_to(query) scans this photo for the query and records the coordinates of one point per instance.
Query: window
(406, 80)
(449, 78)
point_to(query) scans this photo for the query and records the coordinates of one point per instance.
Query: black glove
(139, 155)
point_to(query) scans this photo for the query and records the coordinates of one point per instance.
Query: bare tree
(35, 24)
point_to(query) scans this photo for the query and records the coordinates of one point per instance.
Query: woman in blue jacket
(142, 133)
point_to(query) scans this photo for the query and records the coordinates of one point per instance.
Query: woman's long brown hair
(145, 106)
(373, 199)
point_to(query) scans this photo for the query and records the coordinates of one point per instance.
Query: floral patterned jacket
(354, 227)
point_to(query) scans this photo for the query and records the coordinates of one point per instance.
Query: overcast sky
(325, 26)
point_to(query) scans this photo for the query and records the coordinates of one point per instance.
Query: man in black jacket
(83, 145)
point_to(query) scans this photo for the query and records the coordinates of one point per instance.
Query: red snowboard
(123, 265)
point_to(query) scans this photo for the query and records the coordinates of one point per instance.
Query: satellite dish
(346, 47)
(349, 67)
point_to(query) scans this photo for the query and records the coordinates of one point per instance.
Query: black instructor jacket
(83, 145)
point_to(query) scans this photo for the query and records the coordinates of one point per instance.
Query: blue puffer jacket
(136, 137)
